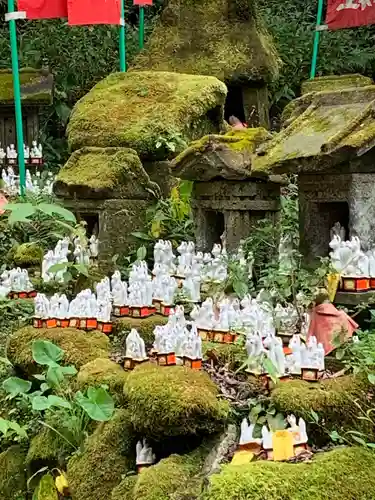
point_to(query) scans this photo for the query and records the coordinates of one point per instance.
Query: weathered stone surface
(226, 443)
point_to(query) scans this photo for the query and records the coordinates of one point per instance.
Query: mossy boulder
(335, 82)
(28, 255)
(103, 371)
(12, 473)
(79, 346)
(36, 87)
(173, 401)
(147, 111)
(342, 473)
(145, 326)
(47, 448)
(93, 172)
(233, 355)
(107, 456)
(332, 400)
(164, 480)
(46, 489)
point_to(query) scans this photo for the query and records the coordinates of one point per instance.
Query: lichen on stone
(335, 475)
(36, 86)
(225, 39)
(147, 111)
(335, 82)
(93, 172)
(28, 254)
(79, 346)
(173, 401)
(108, 455)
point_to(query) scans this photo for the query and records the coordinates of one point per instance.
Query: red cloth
(349, 13)
(142, 2)
(326, 322)
(94, 12)
(43, 9)
(3, 202)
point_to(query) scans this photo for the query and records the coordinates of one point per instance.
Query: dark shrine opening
(92, 223)
(234, 105)
(333, 212)
(215, 227)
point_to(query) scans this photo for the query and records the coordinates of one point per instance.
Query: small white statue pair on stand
(144, 455)
(135, 350)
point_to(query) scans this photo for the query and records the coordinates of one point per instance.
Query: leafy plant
(359, 357)
(171, 142)
(262, 412)
(70, 412)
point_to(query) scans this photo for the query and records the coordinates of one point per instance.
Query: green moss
(36, 86)
(108, 455)
(28, 254)
(103, 371)
(332, 400)
(335, 82)
(105, 172)
(145, 327)
(124, 491)
(46, 489)
(46, 448)
(234, 355)
(12, 474)
(138, 110)
(343, 473)
(237, 140)
(225, 39)
(173, 401)
(166, 479)
(80, 347)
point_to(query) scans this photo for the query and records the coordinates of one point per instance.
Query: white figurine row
(35, 152)
(310, 356)
(144, 454)
(15, 280)
(298, 431)
(84, 305)
(34, 185)
(349, 260)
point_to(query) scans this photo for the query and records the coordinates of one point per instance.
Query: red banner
(43, 9)
(142, 2)
(94, 12)
(350, 13)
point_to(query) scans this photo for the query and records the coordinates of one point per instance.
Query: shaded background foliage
(80, 56)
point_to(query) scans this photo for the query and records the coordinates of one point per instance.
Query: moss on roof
(36, 86)
(322, 129)
(344, 473)
(93, 172)
(335, 82)
(222, 38)
(155, 113)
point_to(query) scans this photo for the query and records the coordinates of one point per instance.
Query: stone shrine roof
(220, 156)
(97, 173)
(154, 113)
(322, 128)
(36, 87)
(222, 38)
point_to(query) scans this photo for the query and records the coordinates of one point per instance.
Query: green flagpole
(122, 38)
(141, 26)
(11, 17)
(316, 39)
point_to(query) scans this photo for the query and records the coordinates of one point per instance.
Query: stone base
(354, 298)
(141, 311)
(168, 359)
(195, 364)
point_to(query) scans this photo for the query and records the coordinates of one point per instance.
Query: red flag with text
(142, 2)
(43, 9)
(350, 13)
(94, 12)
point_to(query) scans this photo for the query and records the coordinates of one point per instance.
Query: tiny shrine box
(168, 359)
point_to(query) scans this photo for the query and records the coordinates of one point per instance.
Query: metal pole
(316, 39)
(122, 38)
(141, 26)
(17, 93)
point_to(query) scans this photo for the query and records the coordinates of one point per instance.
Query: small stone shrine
(36, 92)
(227, 199)
(223, 39)
(328, 140)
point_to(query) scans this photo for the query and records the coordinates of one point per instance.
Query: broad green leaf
(55, 375)
(40, 377)
(371, 378)
(335, 436)
(240, 288)
(40, 403)
(277, 422)
(141, 253)
(58, 401)
(340, 353)
(50, 209)
(44, 387)
(314, 416)
(98, 404)
(370, 445)
(4, 426)
(82, 269)
(359, 440)
(20, 212)
(67, 277)
(69, 370)
(142, 236)
(46, 353)
(55, 268)
(15, 386)
(17, 428)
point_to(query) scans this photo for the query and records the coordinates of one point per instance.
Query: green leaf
(98, 404)
(58, 401)
(371, 378)
(141, 253)
(40, 377)
(4, 426)
(340, 353)
(44, 387)
(55, 375)
(15, 386)
(20, 212)
(46, 353)
(40, 403)
(314, 416)
(69, 370)
(142, 236)
(59, 267)
(67, 277)
(277, 422)
(82, 269)
(240, 288)
(359, 440)
(18, 429)
(50, 209)
(335, 436)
